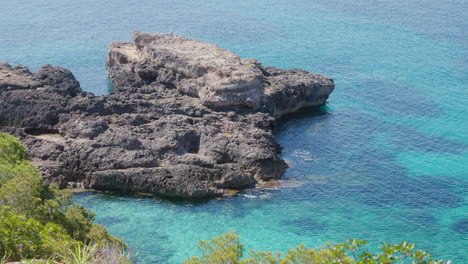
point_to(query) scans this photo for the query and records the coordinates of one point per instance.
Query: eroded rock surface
(186, 118)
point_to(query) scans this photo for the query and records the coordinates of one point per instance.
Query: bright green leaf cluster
(13, 159)
(227, 249)
(224, 249)
(403, 252)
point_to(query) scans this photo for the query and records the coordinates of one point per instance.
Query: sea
(386, 160)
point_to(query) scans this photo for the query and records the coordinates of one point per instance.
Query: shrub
(23, 237)
(39, 221)
(227, 249)
(99, 234)
(98, 254)
(13, 159)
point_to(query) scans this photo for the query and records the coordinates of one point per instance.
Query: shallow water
(386, 160)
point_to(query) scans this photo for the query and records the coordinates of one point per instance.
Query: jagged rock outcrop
(186, 118)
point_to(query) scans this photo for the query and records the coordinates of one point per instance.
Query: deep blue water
(387, 160)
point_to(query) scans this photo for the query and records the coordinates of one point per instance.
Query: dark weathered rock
(186, 119)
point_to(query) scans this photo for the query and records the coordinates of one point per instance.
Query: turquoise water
(385, 160)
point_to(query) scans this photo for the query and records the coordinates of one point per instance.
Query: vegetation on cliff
(38, 221)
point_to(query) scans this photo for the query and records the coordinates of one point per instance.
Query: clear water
(386, 161)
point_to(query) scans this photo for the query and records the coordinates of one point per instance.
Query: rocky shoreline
(185, 119)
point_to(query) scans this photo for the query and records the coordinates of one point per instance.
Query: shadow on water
(303, 113)
(305, 225)
(461, 226)
(356, 166)
(116, 196)
(392, 98)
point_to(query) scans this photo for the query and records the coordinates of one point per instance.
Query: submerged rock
(186, 118)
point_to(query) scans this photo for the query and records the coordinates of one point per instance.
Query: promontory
(185, 118)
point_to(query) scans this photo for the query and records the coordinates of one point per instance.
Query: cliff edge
(185, 119)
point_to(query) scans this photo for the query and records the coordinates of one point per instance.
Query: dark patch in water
(414, 192)
(461, 226)
(412, 139)
(422, 218)
(351, 164)
(305, 225)
(115, 195)
(397, 99)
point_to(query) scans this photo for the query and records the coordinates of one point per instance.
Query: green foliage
(302, 254)
(403, 252)
(23, 237)
(99, 234)
(98, 254)
(81, 255)
(56, 206)
(21, 194)
(227, 249)
(11, 150)
(13, 159)
(39, 221)
(4, 259)
(39, 261)
(224, 249)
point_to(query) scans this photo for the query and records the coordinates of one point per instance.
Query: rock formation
(186, 118)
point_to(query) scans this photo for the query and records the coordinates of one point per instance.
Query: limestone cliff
(186, 118)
